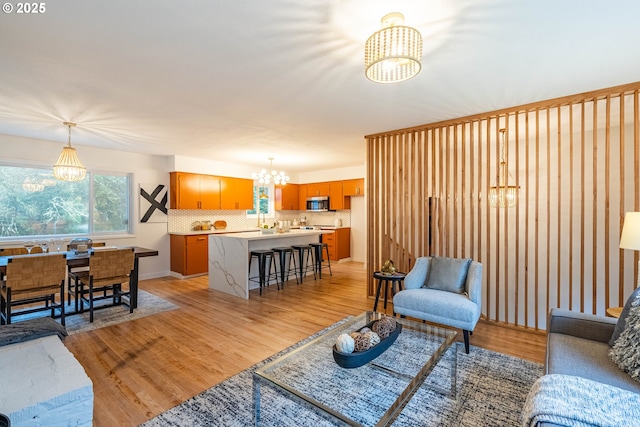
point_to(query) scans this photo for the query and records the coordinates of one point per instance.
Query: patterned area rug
(492, 388)
(148, 304)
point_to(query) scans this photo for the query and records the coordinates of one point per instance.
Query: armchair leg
(466, 340)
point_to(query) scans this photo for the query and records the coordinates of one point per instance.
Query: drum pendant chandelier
(68, 166)
(393, 54)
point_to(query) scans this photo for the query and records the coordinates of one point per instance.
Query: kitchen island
(229, 256)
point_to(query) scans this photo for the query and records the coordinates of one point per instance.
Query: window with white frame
(34, 203)
(263, 203)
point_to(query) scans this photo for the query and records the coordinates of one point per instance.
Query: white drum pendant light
(393, 54)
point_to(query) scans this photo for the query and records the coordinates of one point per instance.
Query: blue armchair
(442, 290)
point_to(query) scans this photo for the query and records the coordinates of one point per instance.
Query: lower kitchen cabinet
(339, 243)
(190, 254)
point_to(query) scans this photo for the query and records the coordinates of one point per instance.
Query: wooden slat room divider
(576, 161)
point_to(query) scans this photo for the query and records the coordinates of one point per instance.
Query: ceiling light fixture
(265, 177)
(393, 54)
(502, 194)
(31, 185)
(68, 166)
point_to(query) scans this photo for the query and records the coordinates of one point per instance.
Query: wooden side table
(394, 278)
(614, 311)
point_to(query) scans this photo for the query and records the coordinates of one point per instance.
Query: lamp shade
(630, 238)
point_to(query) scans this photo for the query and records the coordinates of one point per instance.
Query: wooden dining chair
(33, 280)
(109, 270)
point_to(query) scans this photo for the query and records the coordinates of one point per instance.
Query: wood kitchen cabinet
(336, 200)
(339, 243)
(209, 192)
(236, 193)
(318, 189)
(193, 191)
(288, 197)
(353, 187)
(189, 254)
(302, 195)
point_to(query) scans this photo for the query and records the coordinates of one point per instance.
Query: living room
(430, 154)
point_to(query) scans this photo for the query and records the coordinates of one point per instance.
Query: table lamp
(630, 238)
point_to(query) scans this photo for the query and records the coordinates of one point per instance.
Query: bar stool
(303, 267)
(263, 277)
(282, 252)
(317, 258)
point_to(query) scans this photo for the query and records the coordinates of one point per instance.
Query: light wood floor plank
(144, 367)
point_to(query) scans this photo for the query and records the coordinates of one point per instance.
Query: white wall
(146, 169)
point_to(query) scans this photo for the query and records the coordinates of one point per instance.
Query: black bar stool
(263, 277)
(303, 266)
(317, 258)
(282, 252)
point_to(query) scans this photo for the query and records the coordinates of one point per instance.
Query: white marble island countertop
(229, 256)
(259, 235)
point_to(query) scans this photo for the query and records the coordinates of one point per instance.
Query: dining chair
(31, 280)
(109, 270)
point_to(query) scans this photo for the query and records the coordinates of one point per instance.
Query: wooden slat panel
(427, 195)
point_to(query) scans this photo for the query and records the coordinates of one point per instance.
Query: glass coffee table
(373, 394)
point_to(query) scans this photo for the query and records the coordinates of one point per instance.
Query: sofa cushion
(448, 274)
(626, 351)
(585, 358)
(623, 317)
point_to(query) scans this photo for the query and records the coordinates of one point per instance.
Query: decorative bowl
(268, 230)
(360, 358)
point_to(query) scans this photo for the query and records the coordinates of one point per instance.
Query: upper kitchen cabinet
(302, 196)
(193, 191)
(209, 192)
(236, 193)
(353, 187)
(288, 197)
(318, 189)
(336, 199)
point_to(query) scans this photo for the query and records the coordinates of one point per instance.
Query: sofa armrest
(581, 325)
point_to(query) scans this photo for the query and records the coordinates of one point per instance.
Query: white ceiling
(244, 80)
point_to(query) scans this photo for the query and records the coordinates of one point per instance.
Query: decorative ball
(354, 334)
(345, 344)
(362, 342)
(384, 327)
(373, 338)
(365, 330)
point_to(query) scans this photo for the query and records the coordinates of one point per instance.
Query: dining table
(81, 259)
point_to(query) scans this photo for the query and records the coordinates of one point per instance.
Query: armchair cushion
(623, 317)
(448, 274)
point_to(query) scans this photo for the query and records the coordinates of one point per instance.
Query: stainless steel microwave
(318, 204)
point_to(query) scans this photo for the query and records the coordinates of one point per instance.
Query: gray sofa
(578, 345)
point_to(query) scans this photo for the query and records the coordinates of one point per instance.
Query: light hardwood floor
(144, 367)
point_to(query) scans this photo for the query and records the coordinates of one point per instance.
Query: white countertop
(258, 235)
(236, 231)
(225, 231)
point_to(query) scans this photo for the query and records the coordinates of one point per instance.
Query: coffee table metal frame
(262, 375)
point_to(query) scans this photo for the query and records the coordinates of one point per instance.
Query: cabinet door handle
(202, 238)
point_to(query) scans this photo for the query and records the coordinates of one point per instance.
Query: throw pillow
(623, 317)
(448, 274)
(626, 351)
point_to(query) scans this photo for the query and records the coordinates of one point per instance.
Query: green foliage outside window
(34, 203)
